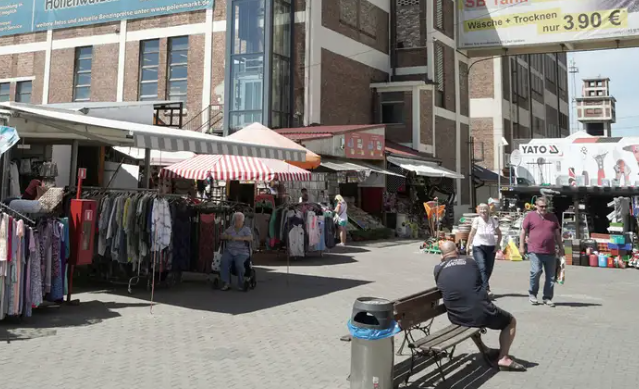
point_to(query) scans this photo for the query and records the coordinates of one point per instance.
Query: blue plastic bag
(370, 334)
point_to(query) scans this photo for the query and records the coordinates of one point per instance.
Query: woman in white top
(342, 218)
(484, 239)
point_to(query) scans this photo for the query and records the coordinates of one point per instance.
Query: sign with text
(505, 23)
(361, 145)
(25, 16)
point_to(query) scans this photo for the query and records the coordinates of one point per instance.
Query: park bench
(417, 312)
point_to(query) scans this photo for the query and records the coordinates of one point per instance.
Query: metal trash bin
(372, 327)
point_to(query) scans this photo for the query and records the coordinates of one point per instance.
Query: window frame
(8, 94)
(143, 67)
(19, 85)
(79, 56)
(171, 65)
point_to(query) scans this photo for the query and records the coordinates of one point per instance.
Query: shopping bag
(561, 270)
(216, 265)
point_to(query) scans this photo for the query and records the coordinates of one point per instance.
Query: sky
(621, 67)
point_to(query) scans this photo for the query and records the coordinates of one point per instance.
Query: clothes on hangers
(33, 263)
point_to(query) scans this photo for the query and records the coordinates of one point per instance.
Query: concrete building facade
(290, 63)
(517, 98)
(596, 108)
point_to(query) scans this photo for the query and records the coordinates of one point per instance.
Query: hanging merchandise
(33, 262)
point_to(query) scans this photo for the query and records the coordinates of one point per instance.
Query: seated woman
(236, 252)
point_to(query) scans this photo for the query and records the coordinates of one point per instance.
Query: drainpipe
(308, 19)
(558, 98)
(530, 98)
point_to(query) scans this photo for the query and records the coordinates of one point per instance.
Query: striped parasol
(229, 167)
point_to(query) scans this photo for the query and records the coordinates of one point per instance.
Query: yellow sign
(515, 20)
(587, 21)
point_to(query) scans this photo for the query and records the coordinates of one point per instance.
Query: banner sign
(504, 23)
(361, 145)
(25, 16)
(8, 138)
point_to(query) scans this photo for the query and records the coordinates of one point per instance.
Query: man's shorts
(497, 319)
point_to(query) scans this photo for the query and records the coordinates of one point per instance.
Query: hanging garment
(262, 226)
(329, 230)
(312, 229)
(181, 241)
(103, 224)
(14, 181)
(160, 225)
(207, 242)
(296, 241)
(36, 268)
(321, 245)
(57, 276)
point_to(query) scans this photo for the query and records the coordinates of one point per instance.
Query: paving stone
(285, 334)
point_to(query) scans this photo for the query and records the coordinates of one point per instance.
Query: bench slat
(456, 340)
(439, 336)
(421, 315)
(415, 295)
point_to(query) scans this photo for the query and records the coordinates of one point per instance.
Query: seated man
(467, 302)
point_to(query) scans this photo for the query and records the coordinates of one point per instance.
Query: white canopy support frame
(424, 168)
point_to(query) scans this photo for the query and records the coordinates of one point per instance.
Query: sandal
(514, 366)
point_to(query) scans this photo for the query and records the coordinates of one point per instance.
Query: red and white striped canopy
(231, 167)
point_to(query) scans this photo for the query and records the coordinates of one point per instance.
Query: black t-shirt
(465, 298)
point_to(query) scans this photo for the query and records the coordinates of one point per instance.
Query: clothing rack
(16, 213)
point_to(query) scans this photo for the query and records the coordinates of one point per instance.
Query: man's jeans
(236, 260)
(548, 264)
(485, 258)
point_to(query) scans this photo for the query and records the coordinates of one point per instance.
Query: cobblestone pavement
(285, 334)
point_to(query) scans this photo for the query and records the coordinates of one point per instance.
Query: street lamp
(500, 157)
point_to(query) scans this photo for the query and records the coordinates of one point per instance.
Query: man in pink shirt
(544, 235)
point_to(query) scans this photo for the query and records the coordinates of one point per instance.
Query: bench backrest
(418, 308)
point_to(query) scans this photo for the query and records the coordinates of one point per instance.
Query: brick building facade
(519, 97)
(332, 62)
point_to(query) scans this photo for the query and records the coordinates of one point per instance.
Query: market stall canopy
(158, 158)
(228, 167)
(424, 168)
(262, 135)
(40, 122)
(346, 166)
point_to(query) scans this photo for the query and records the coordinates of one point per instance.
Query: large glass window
(149, 64)
(5, 91)
(23, 91)
(178, 68)
(82, 76)
(247, 63)
(281, 66)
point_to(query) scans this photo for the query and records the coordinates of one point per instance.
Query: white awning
(42, 122)
(342, 166)
(158, 158)
(423, 168)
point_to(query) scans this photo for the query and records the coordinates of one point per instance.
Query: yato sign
(534, 149)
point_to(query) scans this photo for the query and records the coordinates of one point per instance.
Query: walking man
(544, 234)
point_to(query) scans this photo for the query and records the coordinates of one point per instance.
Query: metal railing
(212, 125)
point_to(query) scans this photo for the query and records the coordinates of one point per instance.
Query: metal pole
(73, 174)
(147, 168)
(499, 157)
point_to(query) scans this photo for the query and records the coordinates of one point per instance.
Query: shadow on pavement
(273, 289)
(498, 296)
(465, 371)
(577, 305)
(327, 259)
(46, 319)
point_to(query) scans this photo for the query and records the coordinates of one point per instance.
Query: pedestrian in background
(544, 236)
(484, 239)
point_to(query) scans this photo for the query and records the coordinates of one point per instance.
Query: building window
(247, 63)
(5, 91)
(149, 65)
(392, 107)
(23, 91)
(178, 68)
(439, 74)
(359, 15)
(439, 14)
(281, 86)
(82, 77)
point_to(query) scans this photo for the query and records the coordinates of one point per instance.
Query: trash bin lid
(373, 313)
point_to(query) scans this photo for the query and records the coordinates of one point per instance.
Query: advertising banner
(504, 23)
(25, 16)
(8, 138)
(580, 162)
(361, 145)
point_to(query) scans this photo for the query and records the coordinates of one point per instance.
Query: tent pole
(147, 168)
(73, 174)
